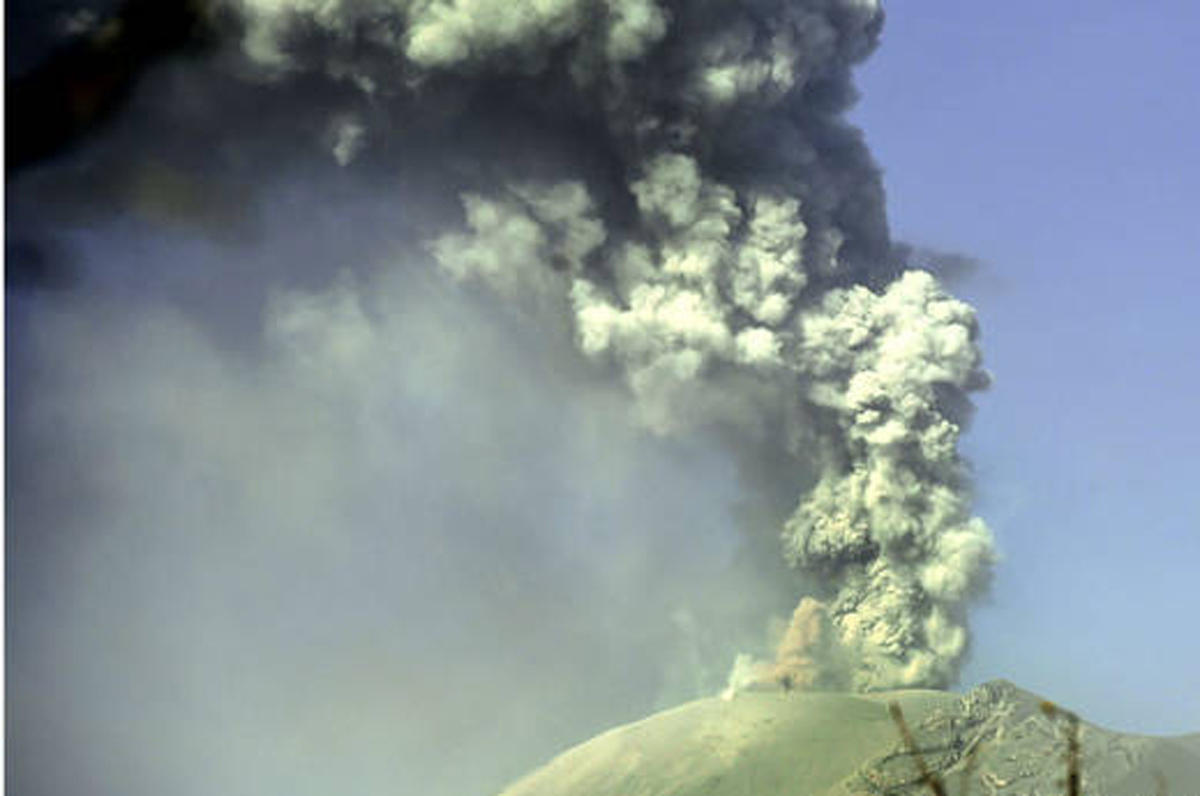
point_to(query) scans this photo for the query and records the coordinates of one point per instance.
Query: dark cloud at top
(38, 263)
(74, 68)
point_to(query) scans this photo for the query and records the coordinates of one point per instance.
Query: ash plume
(676, 183)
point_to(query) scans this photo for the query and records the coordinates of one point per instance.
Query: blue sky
(1057, 143)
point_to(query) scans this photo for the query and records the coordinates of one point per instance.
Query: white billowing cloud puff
(711, 225)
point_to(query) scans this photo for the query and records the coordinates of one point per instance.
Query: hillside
(995, 740)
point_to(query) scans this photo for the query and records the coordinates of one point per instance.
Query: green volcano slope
(995, 741)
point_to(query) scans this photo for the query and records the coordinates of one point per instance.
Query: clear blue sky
(1057, 143)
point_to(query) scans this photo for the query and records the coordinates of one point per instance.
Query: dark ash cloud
(439, 385)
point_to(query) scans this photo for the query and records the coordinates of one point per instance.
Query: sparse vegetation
(1073, 781)
(931, 780)
(1052, 711)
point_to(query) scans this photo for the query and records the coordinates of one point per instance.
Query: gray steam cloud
(385, 433)
(728, 254)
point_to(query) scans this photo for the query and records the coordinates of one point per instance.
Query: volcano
(995, 740)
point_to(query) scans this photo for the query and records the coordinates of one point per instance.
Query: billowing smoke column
(675, 180)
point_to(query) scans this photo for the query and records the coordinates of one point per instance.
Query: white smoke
(705, 219)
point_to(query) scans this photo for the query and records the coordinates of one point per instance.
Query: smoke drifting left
(469, 376)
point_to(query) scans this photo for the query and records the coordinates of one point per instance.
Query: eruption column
(677, 181)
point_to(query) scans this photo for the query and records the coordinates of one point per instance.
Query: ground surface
(995, 741)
